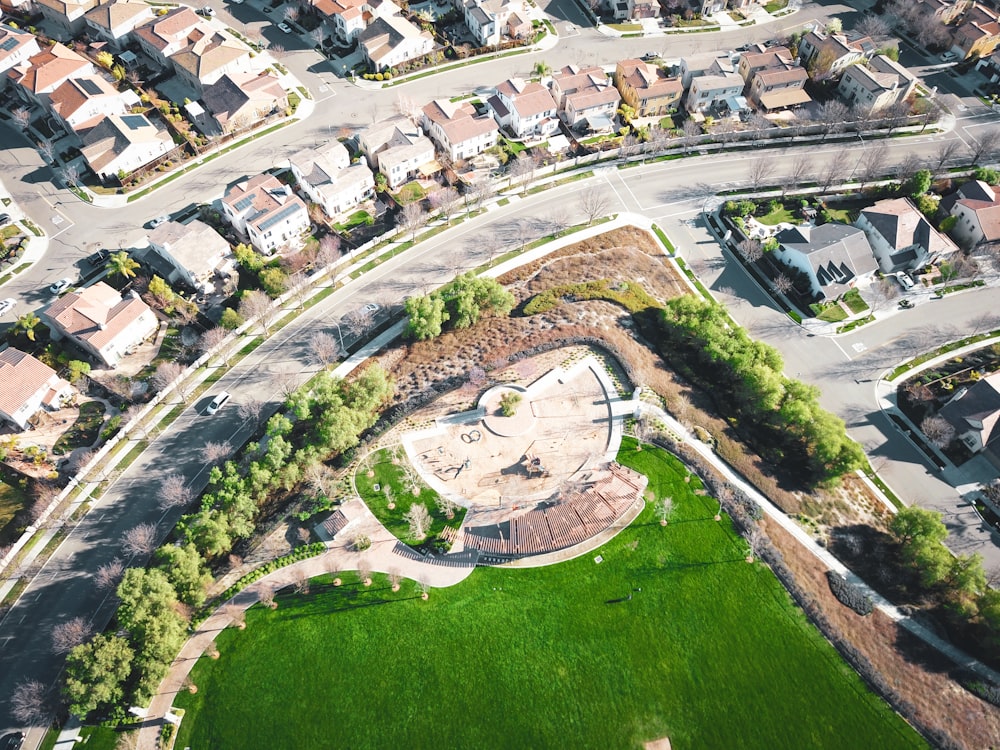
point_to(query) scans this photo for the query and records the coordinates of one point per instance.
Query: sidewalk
(37, 246)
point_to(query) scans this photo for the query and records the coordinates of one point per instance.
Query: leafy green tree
(27, 324)
(185, 569)
(915, 525)
(427, 315)
(121, 264)
(274, 281)
(987, 175)
(248, 258)
(161, 291)
(948, 223)
(230, 320)
(919, 184)
(927, 204)
(96, 672)
(77, 369)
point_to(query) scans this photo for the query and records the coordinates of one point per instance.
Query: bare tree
(251, 410)
(359, 321)
(832, 116)
(267, 596)
(212, 338)
(139, 540)
(983, 147)
(68, 635)
(237, 615)
(316, 36)
(448, 505)
(28, 703)
(166, 374)
(909, 166)
(938, 430)
(300, 578)
(256, 305)
(319, 477)
(329, 250)
(882, 294)
(212, 452)
(22, 117)
(594, 203)
(419, 519)
(287, 380)
(324, 349)
(760, 171)
(873, 162)
(691, 131)
(481, 191)
(70, 174)
(751, 250)
(802, 166)
(47, 150)
(445, 201)
(833, 173)
(107, 576)
(782, 284)
(874, 26)
(949, 150)
(174, 492)
(521, 170)
(395, 577)
(412, 218)
(664, 509)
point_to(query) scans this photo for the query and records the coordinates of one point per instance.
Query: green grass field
(673, 634)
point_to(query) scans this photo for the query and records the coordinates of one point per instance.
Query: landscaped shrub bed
(848, 594)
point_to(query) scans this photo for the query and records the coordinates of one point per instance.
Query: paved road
(672, 193)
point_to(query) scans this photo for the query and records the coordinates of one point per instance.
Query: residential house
(348, 18)
(976, 205)
(826, 55)
(647, 89)
(458, 129)
(194, 253)
(711, 7)
(585, 98)
(28, 386)
(41, 74)
(879, 84)
(267, 212)
(16, 47)
(945, 11)
(238, 100)
(526, 109)
(168, 34)
(488, 20)
(115, 21)
(397, 149)
(833, 257)
(209, 55)
(391, 40)
(901, 237)
(120, 144)
(974, 412)
(81, 103)
(101, 321)
(977, 34)
(990, 66)
(67, 15)
(639, 9)
(326, 175)
(713, 91)
(773, 80)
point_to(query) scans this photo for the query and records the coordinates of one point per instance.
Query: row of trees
(779, 416)
(459, 303)
(331, 414)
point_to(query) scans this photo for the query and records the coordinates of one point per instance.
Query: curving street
(673, 194)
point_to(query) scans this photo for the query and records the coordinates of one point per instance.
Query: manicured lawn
(357, 219)
(84, 430)
(776, 217)
(387, 474)
(776, 5)
(853, 300)
(831, 313)
(410, 192)
(12, 499)
(843, 215)
(672, 634)
(667, 123)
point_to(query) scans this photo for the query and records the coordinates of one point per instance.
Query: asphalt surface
(672, 193)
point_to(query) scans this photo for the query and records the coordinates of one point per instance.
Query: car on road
(905, 304)
(236, 2)
(60, 286)
(650, 56)
(371, 307)
(7, 305)
(154, 223)
(284, 27)
(217, 403)
(948, 57)
(12, 741)
(904, 281)
(96, 258)
(207, 11)
(4, 219)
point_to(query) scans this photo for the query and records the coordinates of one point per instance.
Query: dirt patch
(919, 675)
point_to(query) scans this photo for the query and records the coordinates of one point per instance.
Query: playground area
(522, 445)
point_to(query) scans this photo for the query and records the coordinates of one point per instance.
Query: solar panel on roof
(243, 203)
(279, 217)
(8, 44)
(134, 122)
(89, 86)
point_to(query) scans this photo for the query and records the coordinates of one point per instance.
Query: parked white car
(7, 305)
